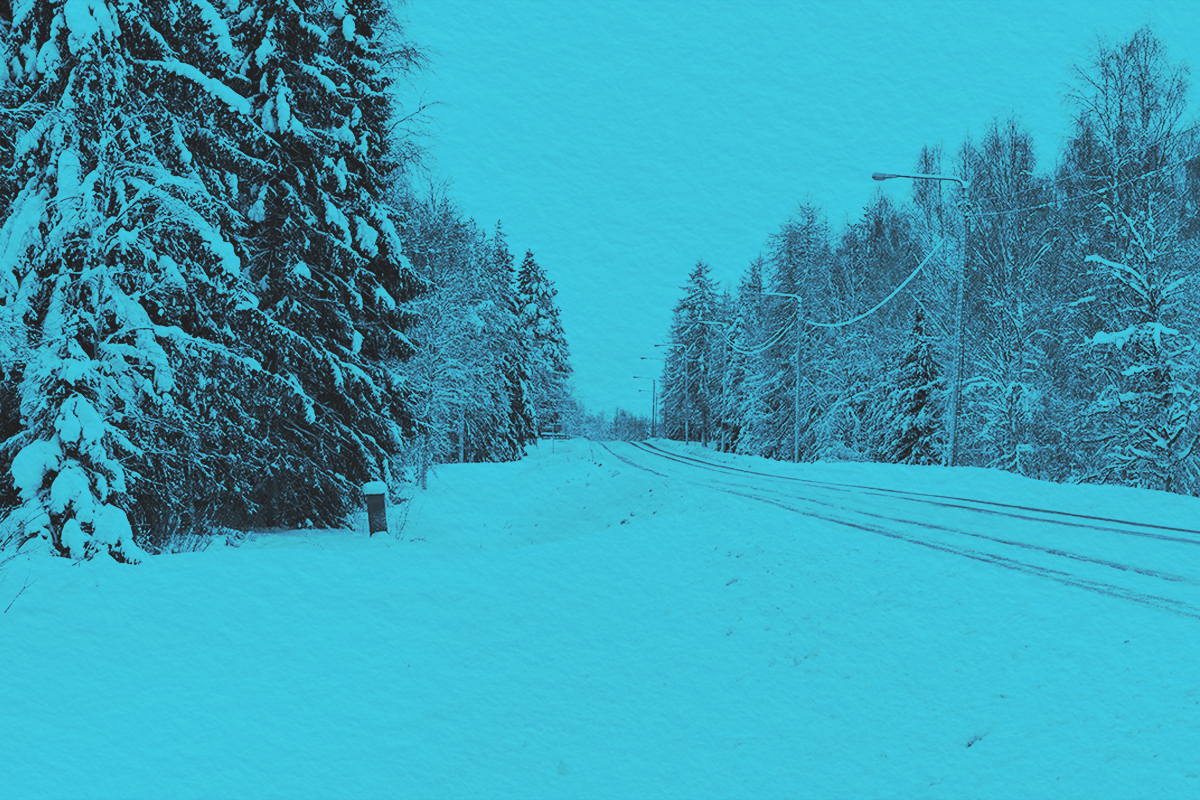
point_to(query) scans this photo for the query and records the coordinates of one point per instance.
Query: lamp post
(964, 207)
(796, 429)
(687, 390)
(653, 400)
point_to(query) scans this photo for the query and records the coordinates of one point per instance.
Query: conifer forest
(225, 300)
(1078, 307)
(541, 399)
(230, 295)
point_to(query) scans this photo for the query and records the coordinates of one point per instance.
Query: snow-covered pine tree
(512, 348)
(873, 256)
(10, 414)
(370, 46)
(797, 265)
(108, 216)
(725, 409)
(322, 246)
(10, 115)
(745, 367)
(911, 422)
(550, 368)
(691, 378)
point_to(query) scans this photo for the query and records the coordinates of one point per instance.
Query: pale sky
(624, 141)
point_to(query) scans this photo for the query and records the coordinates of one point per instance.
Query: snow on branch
(213, 86)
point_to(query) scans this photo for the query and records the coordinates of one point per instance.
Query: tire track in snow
(918, 497)
(1060, 576)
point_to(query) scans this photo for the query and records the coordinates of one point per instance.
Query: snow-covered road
(1157, 565)
(574, 626)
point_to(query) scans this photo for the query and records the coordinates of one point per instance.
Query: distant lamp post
(964, 208)
(653, 400)
(687, 390)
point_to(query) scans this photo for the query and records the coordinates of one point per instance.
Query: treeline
(1079, 306)
(622, 426)
(221, 301)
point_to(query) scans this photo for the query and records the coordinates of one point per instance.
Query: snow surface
(573, 625)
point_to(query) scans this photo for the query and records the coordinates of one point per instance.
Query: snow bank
(573, 626)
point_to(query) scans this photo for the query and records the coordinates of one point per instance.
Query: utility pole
(956, 400)
(796, 430)
(653, 408)
(653, 398)
(964, 204)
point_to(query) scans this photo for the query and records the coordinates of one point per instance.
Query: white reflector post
(376, 494)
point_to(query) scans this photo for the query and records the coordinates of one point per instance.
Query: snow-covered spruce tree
(691, 378)
(324, 252)
(511, 348)
(910, 416)
(88, 239)
(725, 425)
(873, 256)
(549, 367)
(372, 51)
(1135, 309)
(11, 111)
(797, 265)
(12, 107)
(747, 338)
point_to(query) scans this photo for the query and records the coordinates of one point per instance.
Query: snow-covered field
(604, 621)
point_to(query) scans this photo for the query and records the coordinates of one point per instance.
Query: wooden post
(376, 494)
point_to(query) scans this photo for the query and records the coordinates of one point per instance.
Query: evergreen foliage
(911, 421)
(691, 374)
(206, 291)
(1080, 304)
(538, 318)
(117, 266)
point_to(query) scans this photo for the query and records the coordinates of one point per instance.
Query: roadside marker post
(376, 494)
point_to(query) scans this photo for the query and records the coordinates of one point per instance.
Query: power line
(808, 322)
(882, 302)
(760, 348)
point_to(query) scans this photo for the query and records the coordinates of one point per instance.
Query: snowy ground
(610, 622)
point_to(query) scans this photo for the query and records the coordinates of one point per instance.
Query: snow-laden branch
(214, 87)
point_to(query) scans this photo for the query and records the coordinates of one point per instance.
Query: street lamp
(653, 401)
(965, 206)
(799, 328)
(687, 389)
(654, 404)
